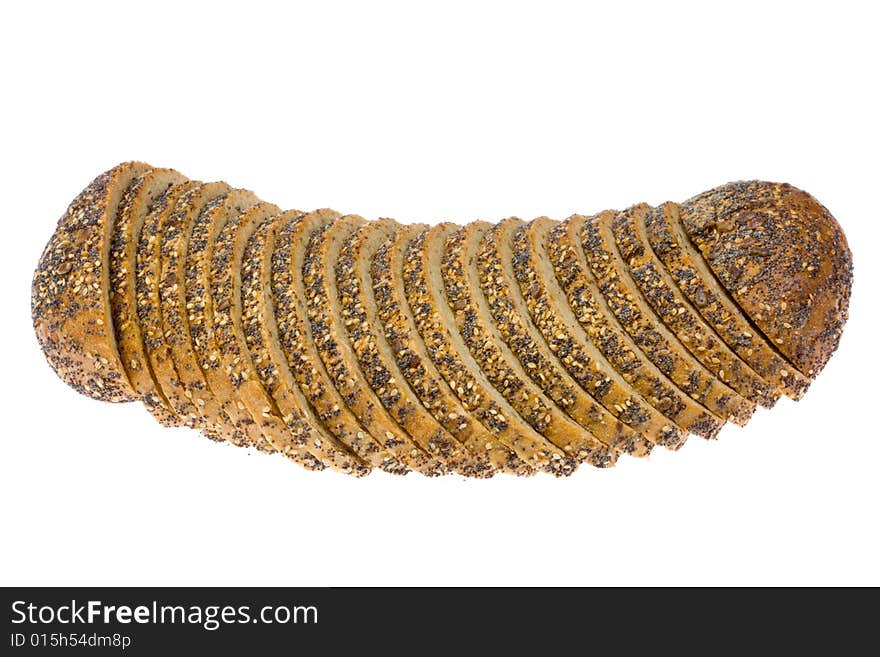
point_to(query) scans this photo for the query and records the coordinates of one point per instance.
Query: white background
(455, 112)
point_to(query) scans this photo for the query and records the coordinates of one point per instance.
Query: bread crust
(298, 343)
(462, 258)
(646, 329)
(697, 282)
(70, 304)
(291, 439)
(513, 323)
(546, 306)
(260, 331)
(783, 258)
(204, 370)
(601, 327)
(677, 313)
(376, 360)
(324, 308)
(413, 361)
(436, 325)
(148, 262)
(217, 419)
(133, 210)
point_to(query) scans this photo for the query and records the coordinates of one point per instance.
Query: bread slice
(70, 291)
(697, 282)
(133, 209)
(260, 331)
(471, 310)
(436, 324)
(542, 302)
(195, 355)
(376, 359)
(495, 264)
(297, 342)
(148, 304)
(784, 260)
(414, 363)
(648, 332)
(326, 317)
(600, 328)
(677, 313)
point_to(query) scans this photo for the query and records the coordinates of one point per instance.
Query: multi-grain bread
(600, 326)
(436, 323)
(229, 347)
(136, 204)
(511, 318)
(694, 278)
(653, 337)
(473, 310)
(297, 341)
(413, 361)
(325, 309)
(783, 258)
(677, 313)
(348, 345)
(148, 272)
(217, 418)
(260, 331)
(376, 359)
(208, 378)
(544, 301)
(70, 293)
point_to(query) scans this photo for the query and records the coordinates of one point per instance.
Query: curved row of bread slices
(519, 347)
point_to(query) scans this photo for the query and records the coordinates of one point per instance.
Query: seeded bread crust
(601, 328)
(148, 304)
(218, 419)
(677, 314)
(411, 357)
(325, 314)
(783, 258)
(697, 282)
(214, 215)
(300, 355)
(436, 325)
(473, 317)
(230, 344)
(133, 208)
(543, 303)
(260, 332)
(513, 324)
(70, 304)
(648, 332)
(354, 285)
